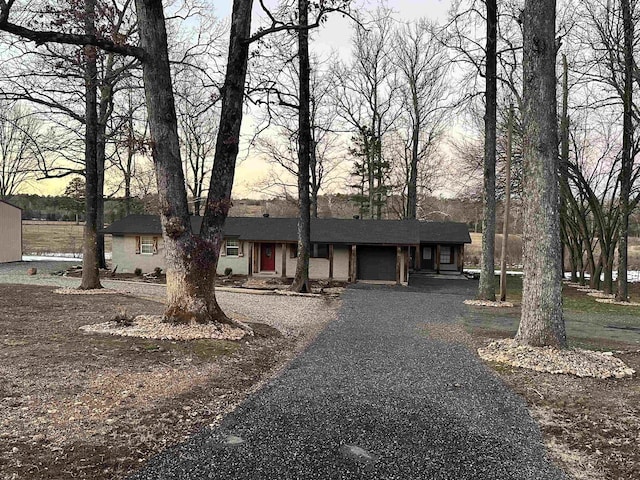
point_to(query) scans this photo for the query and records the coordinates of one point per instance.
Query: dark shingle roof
(323, 230)
(444, 232)
(10, 204)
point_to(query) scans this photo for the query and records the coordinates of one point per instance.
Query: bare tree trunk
(507, 208)
(103, 114)
(565, 191)
(301, 279)
(227, 142)
(412, 186)
(90, 275)
(191, 260)
(486, 287)
(627, 160)
(542, 322)
(315, 179)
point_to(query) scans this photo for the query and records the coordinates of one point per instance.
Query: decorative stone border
(579, 362)
(77, 291)
(487, 303)
(152, 327)
(612, 301)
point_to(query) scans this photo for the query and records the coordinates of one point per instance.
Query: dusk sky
(334, 36)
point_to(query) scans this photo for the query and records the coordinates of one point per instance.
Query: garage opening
(376, 263)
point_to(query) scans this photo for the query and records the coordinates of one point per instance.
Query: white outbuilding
(10, 233)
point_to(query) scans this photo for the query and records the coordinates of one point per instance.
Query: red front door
(268, 257)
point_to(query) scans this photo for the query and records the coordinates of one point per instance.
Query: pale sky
(334, 35)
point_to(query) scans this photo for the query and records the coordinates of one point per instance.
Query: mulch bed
(96, 406)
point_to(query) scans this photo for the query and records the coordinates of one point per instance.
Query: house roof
(10, 204)
(323, 230)
(444, 232)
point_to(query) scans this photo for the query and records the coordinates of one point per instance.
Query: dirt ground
(591, 426)
(75, 405)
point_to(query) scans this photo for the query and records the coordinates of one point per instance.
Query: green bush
(138, 272)
(228, 271)
(157, 271)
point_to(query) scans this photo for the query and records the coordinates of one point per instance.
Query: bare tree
(129, 140)
(197, 128)
(364, 98)
(542, 322)
(423, 65)
(486, 287)
(626, 174)
(20, 150)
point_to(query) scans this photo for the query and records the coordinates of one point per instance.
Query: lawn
(585, 318)
(40, 237)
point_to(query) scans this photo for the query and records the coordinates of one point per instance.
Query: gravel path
(373, 398)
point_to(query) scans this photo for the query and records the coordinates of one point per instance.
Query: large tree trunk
(412, 187)
(227, 142)
(542, 322)
(190, 260)
(486, 287)
(565, 191)
(301, 279)
(627, 161)
(90, 275)
(104, 112)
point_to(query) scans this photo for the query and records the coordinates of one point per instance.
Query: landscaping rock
(32, 271)
(573, 361)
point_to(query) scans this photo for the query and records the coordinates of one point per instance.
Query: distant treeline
(66, 209)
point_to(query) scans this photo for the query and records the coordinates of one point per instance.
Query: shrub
(157, 271)
(138, 272)
(228, 271)
(122, 318)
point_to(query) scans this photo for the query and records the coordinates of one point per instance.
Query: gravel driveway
(374, 398)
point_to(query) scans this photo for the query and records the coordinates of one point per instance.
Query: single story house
(10, 233)
(342, 249)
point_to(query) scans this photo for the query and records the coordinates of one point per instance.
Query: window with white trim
(147, 246)
(445, 254)
(233, 247)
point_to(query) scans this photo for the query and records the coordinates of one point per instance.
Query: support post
(353, 270)
(256, 257)
(438, 258)
(418, 259)
(284, 260)
(331, 261)
(398, 264)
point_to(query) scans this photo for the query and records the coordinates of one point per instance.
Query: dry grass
(472, 253)
(39, 237)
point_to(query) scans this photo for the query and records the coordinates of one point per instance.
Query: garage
(376, 263)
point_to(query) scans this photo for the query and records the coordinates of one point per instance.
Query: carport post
(438, 258)
(331, 261)
(284, 260)
(398, 263)
(352, 265)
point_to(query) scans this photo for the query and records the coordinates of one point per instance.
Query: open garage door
(376, 263)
